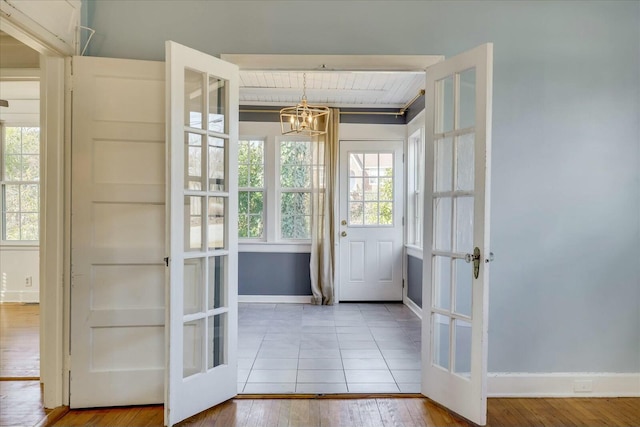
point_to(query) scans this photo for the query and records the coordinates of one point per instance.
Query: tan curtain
(323, 215)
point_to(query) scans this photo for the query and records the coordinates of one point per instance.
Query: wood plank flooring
(374, 411)
(19, 341)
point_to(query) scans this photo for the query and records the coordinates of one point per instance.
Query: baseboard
(570, 384)
(19, 296)
(413, 307)
(276, 299)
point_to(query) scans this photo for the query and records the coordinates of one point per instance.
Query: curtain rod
(400, 112)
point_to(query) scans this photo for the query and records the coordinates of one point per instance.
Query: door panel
(202, 102)
(456, 252)
(117, 233)
(371, 206)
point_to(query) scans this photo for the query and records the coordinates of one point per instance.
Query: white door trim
(53, 212)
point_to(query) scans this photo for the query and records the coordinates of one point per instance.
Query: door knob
(475, 257)
(343, 234)
(343, 222)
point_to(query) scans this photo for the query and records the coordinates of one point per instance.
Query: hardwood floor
(21, 401)
(20, 341)
(374, 412)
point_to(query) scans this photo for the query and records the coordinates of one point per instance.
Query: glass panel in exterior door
(371, 189)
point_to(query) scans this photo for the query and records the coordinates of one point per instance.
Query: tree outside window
(295, 185)
(251, 193)
(20, 183)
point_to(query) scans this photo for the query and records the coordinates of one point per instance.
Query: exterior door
(371, 204)
(117, 233)
(202, 320)
(456, 250)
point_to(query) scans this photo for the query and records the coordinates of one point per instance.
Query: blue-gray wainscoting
(266, 273)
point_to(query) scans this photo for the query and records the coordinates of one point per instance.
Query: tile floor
(344, 348)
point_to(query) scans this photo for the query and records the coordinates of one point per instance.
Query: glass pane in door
(216, 281)
(467, 99)
(216, 155)
(462, 357)
(216, 340)
(193, 223)
(440, 339)
(193, 99)
(192, 347)
(217, 103)
(193, 156)
(192, 287)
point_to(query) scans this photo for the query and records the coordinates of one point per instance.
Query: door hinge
(402, 283)
(166, 261)
(403, 221)
(402, 157)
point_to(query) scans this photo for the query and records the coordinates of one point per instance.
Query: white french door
(456, 251)
(202, 315)
(371, 211)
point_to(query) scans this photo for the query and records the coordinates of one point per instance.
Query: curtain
(324, 185)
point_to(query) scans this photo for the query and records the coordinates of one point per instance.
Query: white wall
(16, 265)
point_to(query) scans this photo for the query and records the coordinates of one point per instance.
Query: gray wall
(262, 273)
(565, 288)
(414, 280)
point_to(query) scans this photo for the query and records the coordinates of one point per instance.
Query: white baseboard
(276, 299)
(413, 307)
(19, 296)
(570, 384)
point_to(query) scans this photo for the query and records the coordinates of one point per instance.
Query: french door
(202, 315)
(456, 252)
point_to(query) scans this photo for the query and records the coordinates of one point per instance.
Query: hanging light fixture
(304, 119)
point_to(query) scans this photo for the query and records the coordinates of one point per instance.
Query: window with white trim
(20, 183)
(415, 183)
(295, 160)
(251, 189)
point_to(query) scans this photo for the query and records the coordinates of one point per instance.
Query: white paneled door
(117, 233)
(456, 250)
(371, 206)
(202, 319)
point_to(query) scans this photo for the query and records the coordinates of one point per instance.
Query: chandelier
(304, 119)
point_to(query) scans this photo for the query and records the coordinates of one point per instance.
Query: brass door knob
(343, 234)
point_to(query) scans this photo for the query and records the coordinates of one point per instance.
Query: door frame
(399, 63)
(401, 205)
(54, 212)
(55, 246)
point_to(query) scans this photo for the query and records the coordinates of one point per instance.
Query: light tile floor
(343, 348)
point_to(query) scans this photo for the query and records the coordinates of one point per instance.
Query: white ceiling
(364, 89)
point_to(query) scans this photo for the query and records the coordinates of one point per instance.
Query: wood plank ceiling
(364, 89)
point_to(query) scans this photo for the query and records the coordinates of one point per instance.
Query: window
(20, 188)
(251, 195)
(295, 189)
(415, 183)
(371, 188)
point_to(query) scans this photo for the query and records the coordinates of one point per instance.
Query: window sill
(275, 247)
(19, 246)
(414, 251)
